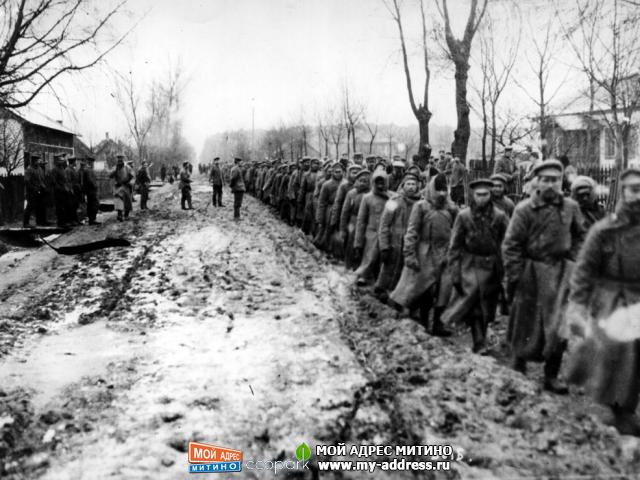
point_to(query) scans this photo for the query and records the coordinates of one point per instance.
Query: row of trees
(590, 42)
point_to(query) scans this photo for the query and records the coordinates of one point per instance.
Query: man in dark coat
(349, 216)
(371, 162)
(583, 191)
(336, 240)
(185, 187)
(122, 177)
(391, 231)
(216, 181)
(365, 243)
(35, 190)
(75, 197)
(506, 166)
(327, 196)
(539, 248)
(457, 175)
(163, 172)
(498, 197)
(62, 191)
(605, 281)
(305, 195)
(424, 282)
(236, 184)
(90, 189)
(143, 180)
(475, 263)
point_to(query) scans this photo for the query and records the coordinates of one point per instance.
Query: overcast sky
(289, 58)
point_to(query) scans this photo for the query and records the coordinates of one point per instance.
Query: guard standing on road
(185, 187)
(216, 181)
(61, 190)
(76, 194)
(122, 177)
(236, 183)
(34, 188)
(143, 180)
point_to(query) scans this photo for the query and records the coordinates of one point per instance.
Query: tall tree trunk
(463, 129)
(423, 117)
(493, 132)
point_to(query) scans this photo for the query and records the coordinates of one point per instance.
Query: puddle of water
(55, 361)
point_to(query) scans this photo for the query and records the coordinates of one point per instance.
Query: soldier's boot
(479, 337)
(120, 218)
(437, 328)
(551, 369)
(624, 420)
(520, 365)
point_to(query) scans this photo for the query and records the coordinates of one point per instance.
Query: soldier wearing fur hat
(366, 238)
(423, 283)
(583, 191)
(391, 231)
(349, 215)
(539, 248)
(606, 278)
(475, 262)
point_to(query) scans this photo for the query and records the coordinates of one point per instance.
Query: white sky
(291, 56)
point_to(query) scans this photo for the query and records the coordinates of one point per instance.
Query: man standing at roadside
(236, 183)
(185, 187)
(216, 181)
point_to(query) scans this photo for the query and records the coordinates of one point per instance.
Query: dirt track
(244, 335)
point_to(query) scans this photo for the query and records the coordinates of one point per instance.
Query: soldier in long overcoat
(391, 231)
(326, 198)
(35, 190)
(606, 278)
(295, 185)
(62, 191)
(475, 262)
(538, 251)
(336, 242)
(349, 215)
(90, 189)
(305, 196)
(423, 282)
(365, 243)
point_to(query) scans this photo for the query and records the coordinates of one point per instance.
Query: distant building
(24, 132)
(105, 152)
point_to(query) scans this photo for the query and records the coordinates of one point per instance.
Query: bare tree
(44, 39)
(420, 111)
(496, 65)
(459, 52)
(372, 128)
(353, 112)
(605, 42)
(544, 64)
(11, 145)
(140, 114)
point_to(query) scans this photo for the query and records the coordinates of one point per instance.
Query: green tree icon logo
(303, 452)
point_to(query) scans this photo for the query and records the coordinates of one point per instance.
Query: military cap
(363, 172)
(415, 169)
(315, 159)
(357, 154)
(411, 176)
(237, 159)
(398, 164)
(546, 165)
(215, 159)
(90, 159)
(72, 159)
(120, 155)
(338, 165)
(629, 171)
(481, 183)
(306, 159)
(508, 148)
(500, 177)
(371, 157)
(354, 167)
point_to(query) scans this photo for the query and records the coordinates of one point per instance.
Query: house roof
(34, 117)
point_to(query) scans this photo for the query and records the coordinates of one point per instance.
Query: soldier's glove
(458, 287)
(510, 292)
(412, 263)
(385, 255)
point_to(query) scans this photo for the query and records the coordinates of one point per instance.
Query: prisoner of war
(607, 278)
(538, 251)
(349, 216)
(475, 263)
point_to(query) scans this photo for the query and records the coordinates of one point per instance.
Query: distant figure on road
(122, 176)
(90, 189)
(163, 172)
(143, 180)
(216, 181)
(185, 187)
(236, 183)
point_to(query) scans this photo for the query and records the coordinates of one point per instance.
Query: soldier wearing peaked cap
(236, 183)
(538, 251)
(498, 195)
(475, 264)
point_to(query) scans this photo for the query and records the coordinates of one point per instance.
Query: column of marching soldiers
(555, 263)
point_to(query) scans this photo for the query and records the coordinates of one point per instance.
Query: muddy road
(242, 334)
